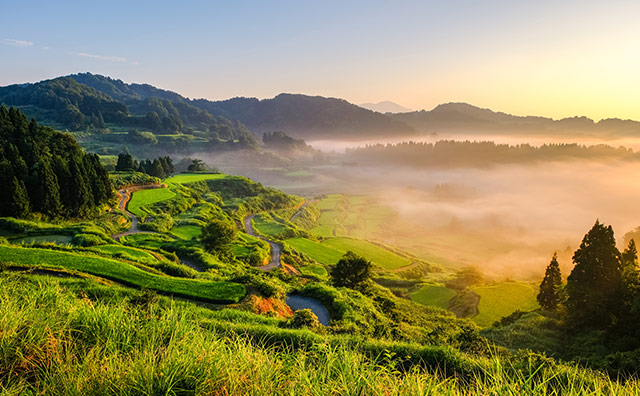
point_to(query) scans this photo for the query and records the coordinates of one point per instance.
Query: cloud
(17, 43)
(135, 63)
(101, 57)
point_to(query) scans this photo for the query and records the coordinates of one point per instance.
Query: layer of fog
(507, 220)
(339, 146)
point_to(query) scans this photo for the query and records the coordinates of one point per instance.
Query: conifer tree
(593, 287)
(550, 295)
(19, 206)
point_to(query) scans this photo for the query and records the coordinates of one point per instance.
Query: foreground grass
(147, 197)
(57, 340)
(222, 292)
(502, 299)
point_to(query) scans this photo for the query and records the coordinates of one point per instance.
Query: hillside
(463, 117)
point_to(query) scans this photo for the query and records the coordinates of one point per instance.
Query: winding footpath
(125, 197)
(275, 248)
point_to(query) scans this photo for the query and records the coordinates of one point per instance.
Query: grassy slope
(317, 251)
(127, 252)
(503, 299)
(266, 226)
(148, 197)
(438, 296)
(187, 231)
(125, 273)
(193, 177)
(378, 256)
(58, 341)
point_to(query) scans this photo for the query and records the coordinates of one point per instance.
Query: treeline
(47, 172)
(448, 153)
(600, 302)
(160, 167)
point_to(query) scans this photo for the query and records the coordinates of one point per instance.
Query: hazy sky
(551, 58)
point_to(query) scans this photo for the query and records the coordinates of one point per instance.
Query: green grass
(124, 273)
(108, 341)
(147, 240)
(127, 253)
(503, 299)
(322, 231)
(379, 256)
(317, 251)
(330, 202)
(184, 178)
(267, 226)
(141, 198)
(55, 238)
(437, 296)
(187, 232)
(314, 270)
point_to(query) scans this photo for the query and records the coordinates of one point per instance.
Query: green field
(147, 197)
(503, 299)
(267, 226)
(317, 251)
(147, 239)
(221, 292)
(438, 296)
(55, 238)
(184, 178)
(380, 257)
(128, 253)
(187, 231)
(314, 270)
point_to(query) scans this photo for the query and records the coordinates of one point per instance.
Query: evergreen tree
(155, 169)
(593, 287)
(79, 186)
(550, 295)
(19, 206)
(630, 283)
(125, 162)
(45, 193)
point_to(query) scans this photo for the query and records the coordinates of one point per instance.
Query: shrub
(304, 318)
(87, 240)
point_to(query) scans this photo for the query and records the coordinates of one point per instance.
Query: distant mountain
(307, 117)
(386, 106)
(88, 101)
(464, 117)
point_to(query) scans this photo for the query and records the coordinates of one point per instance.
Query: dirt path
(275, 248)
(125, 197)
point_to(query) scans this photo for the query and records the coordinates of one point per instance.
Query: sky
(550, 58)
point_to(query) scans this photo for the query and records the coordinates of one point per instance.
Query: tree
(156, 169)
(125, 162)
(217, 236)
(197, 165)
(593, 287)
(19, 204)
(351, 271)
(550, 294)
(630, 282)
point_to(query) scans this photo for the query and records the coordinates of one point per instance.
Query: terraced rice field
(317, 251)
(127, 252)
(187, 232)
(502, 299)
(141, 198)
(221, 292)
(434, 295)
(184, 178)
(379, 256)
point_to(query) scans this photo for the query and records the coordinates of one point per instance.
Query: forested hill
(45, 171)
(463, 117)
(308, 117)
(69, 103)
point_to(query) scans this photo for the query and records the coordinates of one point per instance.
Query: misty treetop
(449, 153)
(46, 171)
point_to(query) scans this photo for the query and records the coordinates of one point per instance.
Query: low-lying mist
(505, 219)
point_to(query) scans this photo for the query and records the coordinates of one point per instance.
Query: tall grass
(56, 341)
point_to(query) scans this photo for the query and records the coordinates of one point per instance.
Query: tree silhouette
(550, 294)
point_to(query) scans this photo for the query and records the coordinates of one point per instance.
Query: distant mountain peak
(385, 106)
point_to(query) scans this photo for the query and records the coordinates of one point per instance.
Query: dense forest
(45, 171)
(68, 102)
(447, 153)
